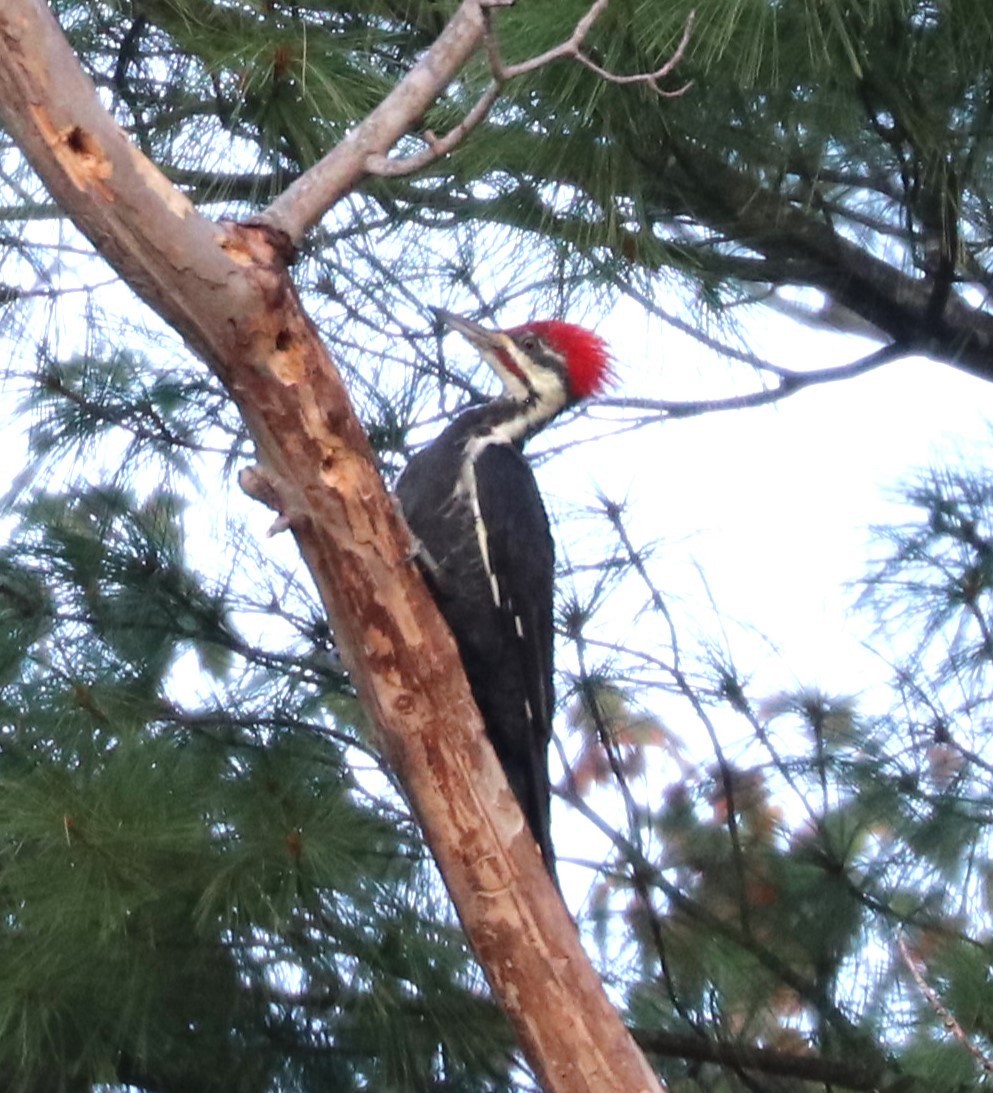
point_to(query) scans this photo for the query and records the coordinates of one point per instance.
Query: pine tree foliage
(207, 879)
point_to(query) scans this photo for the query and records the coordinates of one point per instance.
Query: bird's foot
(263, 486)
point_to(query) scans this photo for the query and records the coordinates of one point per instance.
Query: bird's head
(546, 364)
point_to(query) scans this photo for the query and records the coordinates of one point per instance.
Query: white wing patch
(468, 483)
(468, 487)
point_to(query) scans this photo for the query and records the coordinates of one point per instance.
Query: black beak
(480, 336)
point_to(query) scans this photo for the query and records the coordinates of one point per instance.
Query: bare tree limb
(302, 204)
(395, 167)
(947, 1017)
(570, 49)
(788, 383)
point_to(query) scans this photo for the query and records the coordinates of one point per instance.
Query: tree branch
(382, 165)
(788, 383)
(572, 48)
(946, 1016)
(302, 204)
(806, 250)
(763, 1060)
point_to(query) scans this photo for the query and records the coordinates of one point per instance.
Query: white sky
(775, 504)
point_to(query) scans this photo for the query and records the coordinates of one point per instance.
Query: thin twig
(789, 383)
(386, 167)
(947, 1019)
(571, 49)
(614, 514)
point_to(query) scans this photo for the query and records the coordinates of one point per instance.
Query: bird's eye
(529, 342)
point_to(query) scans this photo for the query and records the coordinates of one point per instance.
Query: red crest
(587, 357)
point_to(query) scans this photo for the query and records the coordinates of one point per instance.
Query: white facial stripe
(539, 384)
(534, 413)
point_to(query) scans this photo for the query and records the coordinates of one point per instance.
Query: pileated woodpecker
(472, 501)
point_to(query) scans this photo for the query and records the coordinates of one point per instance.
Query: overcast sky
(775, 504)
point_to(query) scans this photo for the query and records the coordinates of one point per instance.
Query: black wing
(522, 565)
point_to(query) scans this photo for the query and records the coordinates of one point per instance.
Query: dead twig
(570, 49)
(947, 1018)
